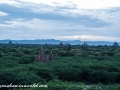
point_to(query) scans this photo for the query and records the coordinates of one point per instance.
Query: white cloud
(49, 2)
(96, 4)
(100, 9)
(40, 24)
(88, 38)
(3, 14)
(38, 28)
(81, 4)
(10, 2)
(95, 9)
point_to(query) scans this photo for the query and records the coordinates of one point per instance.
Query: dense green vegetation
(72, 64)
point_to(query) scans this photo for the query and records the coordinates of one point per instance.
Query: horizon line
(61, 40)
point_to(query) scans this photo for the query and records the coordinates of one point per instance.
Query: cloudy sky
(86, 20)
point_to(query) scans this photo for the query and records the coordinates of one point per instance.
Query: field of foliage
(74, 67)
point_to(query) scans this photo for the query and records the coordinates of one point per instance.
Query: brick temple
(41, 57)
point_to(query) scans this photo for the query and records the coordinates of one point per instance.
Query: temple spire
(41, 57)
(51, 56)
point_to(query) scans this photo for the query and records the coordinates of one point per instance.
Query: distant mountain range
(53, 41)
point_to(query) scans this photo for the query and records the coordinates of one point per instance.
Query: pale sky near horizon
(87, 20)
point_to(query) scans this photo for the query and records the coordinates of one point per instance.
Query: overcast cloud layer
(89, 20)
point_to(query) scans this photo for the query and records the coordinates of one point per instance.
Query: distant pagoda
(115, 44)
(61, 44)
(85, 44)
(41, 57)
(10, 42)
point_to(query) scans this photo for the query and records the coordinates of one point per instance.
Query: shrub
(25, 60)
(26, 51)
(0, 54)
(62, 53)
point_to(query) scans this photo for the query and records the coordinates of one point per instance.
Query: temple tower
(41, 57)
(51, 56)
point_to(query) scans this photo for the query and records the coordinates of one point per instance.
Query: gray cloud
(29, 21)
(26, 13)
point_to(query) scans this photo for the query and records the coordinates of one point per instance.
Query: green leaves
(87, 65)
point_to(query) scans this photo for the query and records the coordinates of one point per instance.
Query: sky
(85, 20)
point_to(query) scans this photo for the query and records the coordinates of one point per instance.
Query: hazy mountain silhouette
(53, 41)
